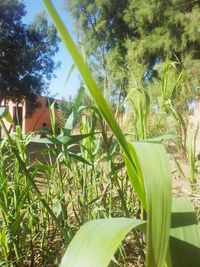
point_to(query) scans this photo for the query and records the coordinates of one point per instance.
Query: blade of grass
(158, 229)
(69, 73)
(91, 84)
(4, 113)
(85, 73)
(29, 178)
(96, 242)
(53, 117)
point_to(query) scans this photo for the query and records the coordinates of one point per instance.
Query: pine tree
(134, 36)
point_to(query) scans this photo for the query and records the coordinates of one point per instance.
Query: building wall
(33, 123)
(39, 116)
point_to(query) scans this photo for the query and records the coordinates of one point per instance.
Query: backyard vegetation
(99, 193)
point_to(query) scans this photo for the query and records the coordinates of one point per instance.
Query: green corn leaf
(87, 76)
(43, 141)
(185, 235)
(79, 97)
(64, 140)
(69, 73)
(147, 104)
(79, 158)
(153, 166)
(15, 225)
(138, 184)
(94, 91)
(68, 140)
(179, 169)
(96, 242)
(150, 166)
(53, 118)
(69, 122)
(3, 207)
(5, 114)
(176, 85)
(147, 166)
(75, 110)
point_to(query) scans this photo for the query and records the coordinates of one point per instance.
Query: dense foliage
(26, 53)
(137, 35)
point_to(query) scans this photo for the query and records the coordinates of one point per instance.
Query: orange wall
(39, 116)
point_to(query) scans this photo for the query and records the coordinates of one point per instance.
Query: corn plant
(75, 184)
(168, 91)
(24, 206)
(172, 235)
(140, 102)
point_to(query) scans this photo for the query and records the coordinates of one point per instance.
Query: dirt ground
(181, 186)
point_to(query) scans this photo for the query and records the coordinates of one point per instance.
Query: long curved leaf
(150, 171)
(153, 165)
(5, 114)
(64, 140)
(87, 76)
(96, 242)
(185, 235)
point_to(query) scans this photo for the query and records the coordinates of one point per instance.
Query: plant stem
(26, 172)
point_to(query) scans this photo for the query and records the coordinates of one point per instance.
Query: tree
(26, 53)
(101, 29)
(136, 35)
(166, 29)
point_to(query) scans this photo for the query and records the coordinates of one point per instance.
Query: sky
(58, 87)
